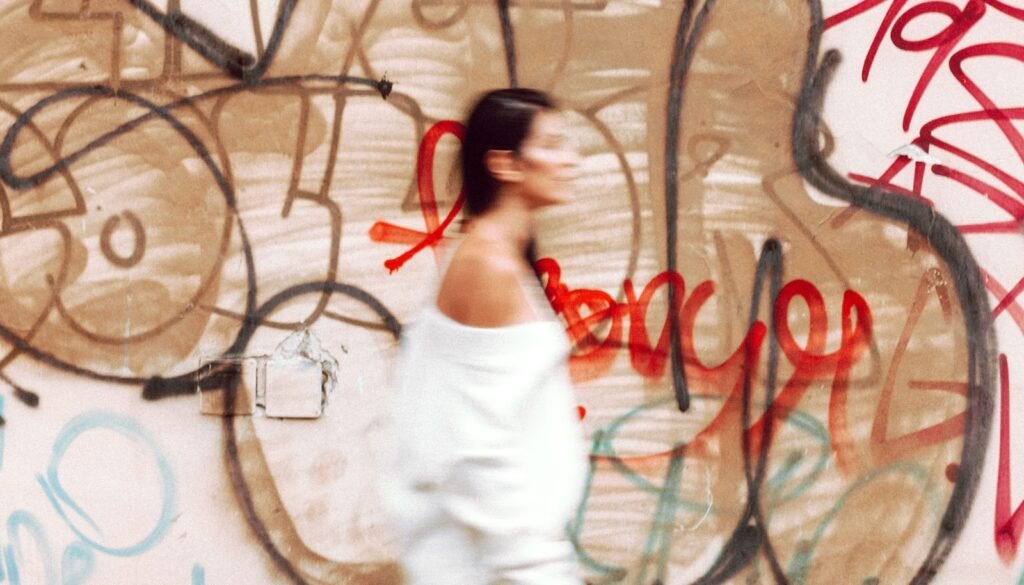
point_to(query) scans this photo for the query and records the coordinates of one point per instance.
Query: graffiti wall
(791, 276)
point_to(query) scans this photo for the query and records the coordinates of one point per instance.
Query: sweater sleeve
(488, 489)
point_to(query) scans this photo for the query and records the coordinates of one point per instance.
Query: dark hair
(500, 120)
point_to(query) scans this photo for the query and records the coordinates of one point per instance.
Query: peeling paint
(914, 153)
(303, 344)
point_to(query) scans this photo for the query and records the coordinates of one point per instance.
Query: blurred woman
(486, 460)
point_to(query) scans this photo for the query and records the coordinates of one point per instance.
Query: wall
(791, 273)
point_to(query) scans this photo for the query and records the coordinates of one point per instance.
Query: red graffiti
(885, 449)
(1007, 197)
(1006, 193)
(596, 324)
(941, 43)
(1008, 527)
(982, 176)
(1007, 303)
(435, 227)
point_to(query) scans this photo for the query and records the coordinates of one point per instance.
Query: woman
(487, 462)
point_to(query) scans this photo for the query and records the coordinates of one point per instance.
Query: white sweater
(486, 459)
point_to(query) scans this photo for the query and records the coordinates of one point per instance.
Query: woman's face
(548, 161)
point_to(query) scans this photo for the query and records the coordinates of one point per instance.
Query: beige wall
(185, 191)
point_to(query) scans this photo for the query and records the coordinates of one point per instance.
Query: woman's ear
(503, 166)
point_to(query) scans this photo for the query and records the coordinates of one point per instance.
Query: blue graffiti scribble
(664, 523)
(62, 502)
(575, 527)
(78, 564)
(13, 551)
(787, 474)
(198, 575)
(794, 478)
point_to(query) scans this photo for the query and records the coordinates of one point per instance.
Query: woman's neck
(506, 222)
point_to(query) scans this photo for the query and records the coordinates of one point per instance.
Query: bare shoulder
(481, 287)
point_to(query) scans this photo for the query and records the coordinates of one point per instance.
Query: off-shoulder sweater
(485, 459)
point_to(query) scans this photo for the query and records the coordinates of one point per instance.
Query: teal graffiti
(797, 474)
(787, 474)
(198, 575)
(63, 503)
(77, 564)
(663, 527)
(802, 560)
(575, 529)
(13, 557)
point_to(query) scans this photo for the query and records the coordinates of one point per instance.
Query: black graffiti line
(185, 384)
(682, 56)
(875, 371)
(771, 261)
(257, 30)
(235, 63)
(57, 284)
(230, 59)
(27, 397)
(10, 224)
(509, 38)
(157, 387)
(383, 86)
(751, 532)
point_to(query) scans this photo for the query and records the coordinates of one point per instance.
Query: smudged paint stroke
(164, 113)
